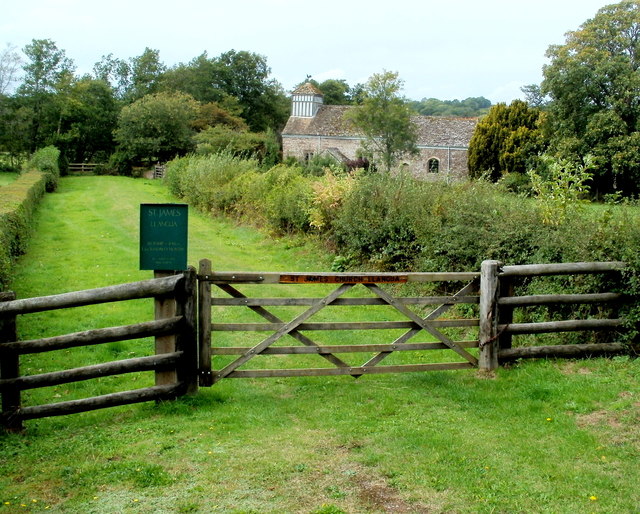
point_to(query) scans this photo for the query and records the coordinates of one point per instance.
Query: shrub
(18, 202)
(282, 196)
(46, 161)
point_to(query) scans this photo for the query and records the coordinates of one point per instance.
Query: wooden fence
(412, 324)
(499, 302)
(183, 355)
(496, 302)
(82, 168)
(174, 362)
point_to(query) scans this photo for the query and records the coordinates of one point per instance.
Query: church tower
(306, 101)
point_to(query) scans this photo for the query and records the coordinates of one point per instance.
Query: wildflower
(549, 419)
(593, 498)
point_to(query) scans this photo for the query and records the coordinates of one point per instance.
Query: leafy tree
(470, 107)
(87, 122)
(10, 62)
(213, 114)
(115, 72)
(385, 121)
(593, 82)
(335, 92)
(505, 140)
(245, 76)
(146, 70)
(157, 127)
(47, 73)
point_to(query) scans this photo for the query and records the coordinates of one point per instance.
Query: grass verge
(542, 437)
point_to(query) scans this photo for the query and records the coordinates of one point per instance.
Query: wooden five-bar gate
(337, 295)
(198, 342)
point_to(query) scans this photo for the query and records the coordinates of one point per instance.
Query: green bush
(18, 202)
(282, 196)
(46, 161)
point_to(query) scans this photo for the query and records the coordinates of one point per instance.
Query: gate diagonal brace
(422, 323)
(232, 291)
(436, 313)
(292, 325)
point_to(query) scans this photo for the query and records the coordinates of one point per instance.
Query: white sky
(448, 50)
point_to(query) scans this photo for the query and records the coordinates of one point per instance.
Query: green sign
(163, 236)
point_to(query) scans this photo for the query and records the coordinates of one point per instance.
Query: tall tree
(505, 140)
(158, 126)
(245, 76)
(384, 119)
(593, 81)
(88, 119)
(47, 73)
(10, 62)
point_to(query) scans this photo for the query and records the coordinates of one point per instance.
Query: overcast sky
(448, 50)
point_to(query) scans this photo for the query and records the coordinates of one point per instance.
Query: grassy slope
(542, 437)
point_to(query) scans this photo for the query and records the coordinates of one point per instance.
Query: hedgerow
(18, 202)
(45, 160)
(384, 222)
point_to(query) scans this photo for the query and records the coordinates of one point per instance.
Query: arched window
(433, 165)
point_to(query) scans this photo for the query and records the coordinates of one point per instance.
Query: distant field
(555, 437)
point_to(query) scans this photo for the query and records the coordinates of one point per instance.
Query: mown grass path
(542, 437)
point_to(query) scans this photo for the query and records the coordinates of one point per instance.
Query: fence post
(505, 312)
(204, 323)
(187, 340)
(488, 336)
(165, 307)
(9, 368)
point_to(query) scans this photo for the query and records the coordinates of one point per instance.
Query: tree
(10, 62)
(87, 121)
(593, 82)
(384, 120)
(245, 76)
(115, 72)
(505, 140)
(157, 127)
(47, 73)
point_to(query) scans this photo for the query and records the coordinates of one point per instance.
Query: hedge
(18, 203)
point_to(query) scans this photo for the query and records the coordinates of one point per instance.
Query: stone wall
(452, 162)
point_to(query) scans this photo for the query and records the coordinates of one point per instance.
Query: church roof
(440, 131)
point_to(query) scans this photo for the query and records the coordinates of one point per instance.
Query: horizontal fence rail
(175, 365)
(344, 282)
(480, 313)
(498, 315)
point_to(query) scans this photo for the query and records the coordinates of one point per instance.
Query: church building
(315, 128)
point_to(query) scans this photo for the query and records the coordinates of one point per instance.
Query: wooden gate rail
(175, 366)
(500, 302)
(345, 281)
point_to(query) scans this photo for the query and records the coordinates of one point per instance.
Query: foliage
(48, 73)
(505, 141)
(384, 120)
(208, 182)
(563, 186)
(592, 81)
(18, 203)
(469, 107)
(10, 62)
(298, 444)
(260, 145)
(157, 127)
(45, 160)
(87, 121)
(327, 199)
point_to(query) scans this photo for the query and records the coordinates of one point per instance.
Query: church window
(433, 165)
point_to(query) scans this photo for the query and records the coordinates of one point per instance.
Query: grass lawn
(7, 178)
(548, 436)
